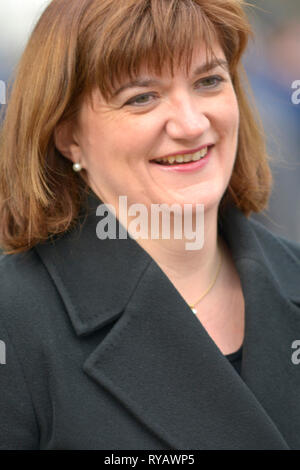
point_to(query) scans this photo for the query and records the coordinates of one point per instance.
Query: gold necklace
(194, 310)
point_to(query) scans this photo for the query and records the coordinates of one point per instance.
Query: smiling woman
(101, 50)
(157, 346)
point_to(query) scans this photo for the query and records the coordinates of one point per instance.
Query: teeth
(184, 158)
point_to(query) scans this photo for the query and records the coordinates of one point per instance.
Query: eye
(140, 100)
(212, 81)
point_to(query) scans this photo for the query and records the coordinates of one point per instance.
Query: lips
(183, 157)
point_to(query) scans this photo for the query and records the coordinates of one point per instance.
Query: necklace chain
(209, 287)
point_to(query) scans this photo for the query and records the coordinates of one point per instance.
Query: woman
(125, 342)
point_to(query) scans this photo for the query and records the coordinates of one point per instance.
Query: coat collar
(159, 360)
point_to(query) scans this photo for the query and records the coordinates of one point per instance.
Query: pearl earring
(77, 167)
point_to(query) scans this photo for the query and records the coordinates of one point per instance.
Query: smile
(187, 158)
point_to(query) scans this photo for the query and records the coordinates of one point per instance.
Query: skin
(115, 141)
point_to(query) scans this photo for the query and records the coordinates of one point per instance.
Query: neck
(191, 272)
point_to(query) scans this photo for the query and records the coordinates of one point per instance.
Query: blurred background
(272, 63)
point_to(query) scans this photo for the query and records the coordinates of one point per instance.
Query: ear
(66, 142)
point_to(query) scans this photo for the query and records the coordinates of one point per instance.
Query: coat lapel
(160, 362)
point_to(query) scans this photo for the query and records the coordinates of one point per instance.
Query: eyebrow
(149, 82)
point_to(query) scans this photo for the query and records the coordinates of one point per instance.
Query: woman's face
(156, 116)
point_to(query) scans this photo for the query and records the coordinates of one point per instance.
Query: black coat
(102, 352)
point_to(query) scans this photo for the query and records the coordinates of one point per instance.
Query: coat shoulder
(21, 275)
(279, 257)
(281, 247)
(282, 256)
(27, 293)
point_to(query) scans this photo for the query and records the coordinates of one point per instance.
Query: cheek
(229, 119)
(104, 148)
(233, 113)
(134, 137)
(98, 144)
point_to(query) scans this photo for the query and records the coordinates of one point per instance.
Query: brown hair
(82, 44)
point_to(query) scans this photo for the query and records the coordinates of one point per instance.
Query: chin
(194, 197)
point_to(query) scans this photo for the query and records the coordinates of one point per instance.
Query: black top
(236, 359)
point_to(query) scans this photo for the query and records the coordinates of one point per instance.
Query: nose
(187, 121)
